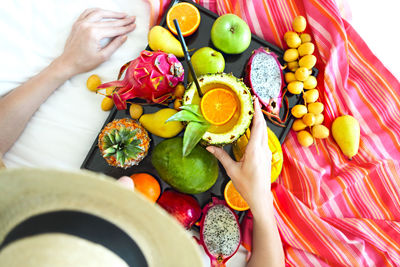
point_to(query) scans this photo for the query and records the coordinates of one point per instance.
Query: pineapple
(123, 143)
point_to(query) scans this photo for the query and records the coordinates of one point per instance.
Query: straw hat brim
(29, 192)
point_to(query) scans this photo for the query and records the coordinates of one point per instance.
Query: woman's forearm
(267, 244)
(18, 106)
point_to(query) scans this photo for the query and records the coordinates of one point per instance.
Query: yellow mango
(161, 39)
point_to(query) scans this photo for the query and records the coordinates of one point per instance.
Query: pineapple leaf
(117, 137)
(185, 115)
(195, 109)
(112, 138)
(132, 150)
(130, 136)
(107, 141)
(120, 157)
(135, 143)
(110, 150)
(193, 133)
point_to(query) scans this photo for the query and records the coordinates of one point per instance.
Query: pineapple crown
(122, 144)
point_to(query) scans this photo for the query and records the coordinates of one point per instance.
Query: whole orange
(147, 185)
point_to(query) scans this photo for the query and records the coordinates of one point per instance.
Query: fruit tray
(233, 64)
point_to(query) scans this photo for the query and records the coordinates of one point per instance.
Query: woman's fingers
(113, 45)
(117, 22)
(99, 14)
(116, 31)
(223, 157)
(259, 133)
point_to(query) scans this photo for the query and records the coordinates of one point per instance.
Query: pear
(346, 132)
(156, 123)
(161, 39)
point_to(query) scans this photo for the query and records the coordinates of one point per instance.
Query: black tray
(234, 64)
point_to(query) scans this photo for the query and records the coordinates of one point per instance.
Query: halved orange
(218, 106)
(188, 17)
(233, 198)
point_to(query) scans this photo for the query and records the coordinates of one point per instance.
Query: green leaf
(185, 115)
(117, 137)
(193, 133)
(132, 150)
(119, 155)
(193, 108)
(131, 135)
(107, 141)
(110, 150)
(111, 136)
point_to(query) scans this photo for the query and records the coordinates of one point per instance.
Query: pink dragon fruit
(219, 232)
(265, 78)
(152, 76)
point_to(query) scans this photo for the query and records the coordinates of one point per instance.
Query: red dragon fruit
(152, 76)
(183, 207)
(219, 232)
(265, 78)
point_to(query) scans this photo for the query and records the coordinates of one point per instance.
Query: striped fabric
(332, 211)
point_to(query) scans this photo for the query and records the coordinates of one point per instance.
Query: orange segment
(147, 185)
(188, 17)
(218, 106)
(233, 198)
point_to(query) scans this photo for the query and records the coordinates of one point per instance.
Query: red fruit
(182, 206)
(219, 232)
(152, 76)
(265, 78)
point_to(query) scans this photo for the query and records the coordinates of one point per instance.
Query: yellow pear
(162, 39)
(155, 123)
(346, 132)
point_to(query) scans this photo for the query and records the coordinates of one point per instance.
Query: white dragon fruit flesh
(219, 232)
(265, 78)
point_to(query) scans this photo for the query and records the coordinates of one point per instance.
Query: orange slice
(218, 106)
(233, 198)
(188, 17)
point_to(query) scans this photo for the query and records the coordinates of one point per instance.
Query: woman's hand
(82, 51)
(252, 174)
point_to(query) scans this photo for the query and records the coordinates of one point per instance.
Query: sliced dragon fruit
(264, 76)
(152, 76)
(219, 232)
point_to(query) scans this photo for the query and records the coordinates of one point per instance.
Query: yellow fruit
(295, 87)
(110, 90)
(289, 77)
(305, 138)
(305, 38)
(320, 131)
(293, 41)
(299, 111)
(311, 96)
(135, 110)
(315, 108)
(319, 118)
(309, 119)
(298, 125)
(293, 66)
(178, 103)
(179, 90)
(299, 24)
(161, 39)
(290, 55)
(308, 61)
(302, 74)
(156, 123)
(289, 34)
(239, 147)
(93, 82)
(346, 132)
(310, 82)
(306, 49)
(107, 104)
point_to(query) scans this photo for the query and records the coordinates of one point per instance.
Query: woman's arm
(82, 53)
(251, 177)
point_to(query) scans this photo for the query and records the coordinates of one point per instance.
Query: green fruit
(237, 125)
(207, 60)
(230, 34)
(193, 174)
(346, 132)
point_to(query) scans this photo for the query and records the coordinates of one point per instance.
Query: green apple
(230, 34)
(207, 60)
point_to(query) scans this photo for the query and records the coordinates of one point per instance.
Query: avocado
(193, 174)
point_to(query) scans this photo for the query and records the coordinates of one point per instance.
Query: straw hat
(57, 218)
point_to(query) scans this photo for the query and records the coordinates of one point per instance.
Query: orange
(218, 106)
(147, 185)
(188, 17)
(233, 198)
